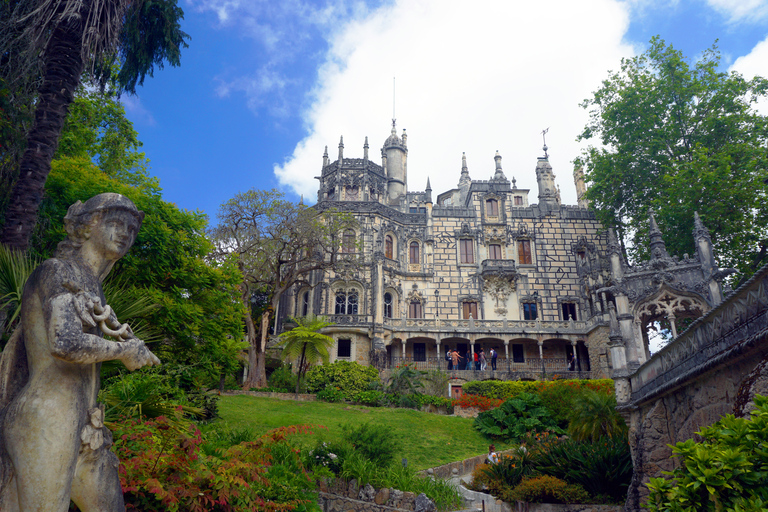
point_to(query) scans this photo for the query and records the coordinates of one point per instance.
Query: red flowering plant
(476, 401)
(162, 469)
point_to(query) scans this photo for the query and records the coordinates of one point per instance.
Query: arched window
(346, 302)
(492, 208)
(413, 253)
(387, 305)
(304, 304)
(348, 241)
(389, 246)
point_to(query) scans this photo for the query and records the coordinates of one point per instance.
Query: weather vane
(544, 136)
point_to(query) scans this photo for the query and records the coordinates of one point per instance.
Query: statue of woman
(53, 443)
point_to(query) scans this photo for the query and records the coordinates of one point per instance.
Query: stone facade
(479, 266)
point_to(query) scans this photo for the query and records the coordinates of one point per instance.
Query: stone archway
(669, 307)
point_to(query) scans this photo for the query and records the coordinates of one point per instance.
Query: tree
(679, 138)
(58, 39)
(277, 244)
(593, 416)
(306, 343)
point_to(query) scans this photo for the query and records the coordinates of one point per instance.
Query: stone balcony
(498, 267)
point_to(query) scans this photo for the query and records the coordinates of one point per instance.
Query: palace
(481, 266)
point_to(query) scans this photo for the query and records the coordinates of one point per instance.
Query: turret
(365, 149)
(703, 243)
(341, 151)
(499, 174)
(581, 187)
(394, 154)
(428, 193)
(326, 160)
(465, 181)
(546, 180)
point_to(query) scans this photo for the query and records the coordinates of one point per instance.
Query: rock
(408, 501)
(366, 493)
(381, 497)
(395, 497)
(424, 504)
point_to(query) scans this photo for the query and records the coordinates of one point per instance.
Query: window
(389, 246)
(494, 252)
(413, 253)
(524, 252)
(304, 303)
(387, 305)
(346, 302)
(529, 311)
(518, 354)
(518, 200)
(414, 309)
(492, 208)
(581, 256)
(419, 351)
(344, 348)
(569, 310)
(469, 310)
(331, 192)
(466, 251)
(348, 241)
(413, 209)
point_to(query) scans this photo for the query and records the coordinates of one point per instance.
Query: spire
(658, 249)
(428, 192)
(699, 230)
(581, 187)
(341, 151)
(613, 242)
(429, 187)
(514, 182)
(499, 175)
(465, 180)
(325, 157)
(365, 149)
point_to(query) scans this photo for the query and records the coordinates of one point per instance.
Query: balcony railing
(412, 324)
(498, 266)
(531, 365)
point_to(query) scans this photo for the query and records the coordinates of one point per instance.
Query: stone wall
(711, 370)
(339, 496)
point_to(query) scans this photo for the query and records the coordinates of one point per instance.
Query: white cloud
(136, 110)
(741, 10)
(470, 78)
(755, 63)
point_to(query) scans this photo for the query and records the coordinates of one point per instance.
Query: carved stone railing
(350, 319)
(548, 365)
(488, 326)
(498, 267)
(741, 316)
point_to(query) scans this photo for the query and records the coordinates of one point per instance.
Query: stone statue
(53, 443)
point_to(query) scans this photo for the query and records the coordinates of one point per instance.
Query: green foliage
(435, 383)
(371, 398)
(404, 380)
(594, 416)
(506, 474)
(331, 394)
(676, 137)
(144, 394)
(373, 441)
(306, 343)
(728, 471)
(547, 489)
(162, 470)
(498, 389)
(282, 380)
(15, 268)
(603, 467)
(516, 417)
(349, 377)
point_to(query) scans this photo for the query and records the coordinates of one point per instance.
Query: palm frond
(131, 305)
(15, 268)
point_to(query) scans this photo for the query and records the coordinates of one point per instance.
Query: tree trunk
(257, 357)
(301, 369)
(63, 67)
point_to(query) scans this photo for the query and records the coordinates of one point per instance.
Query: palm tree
(594, 415)
(305, 343)
(58, 38)
(15, 268)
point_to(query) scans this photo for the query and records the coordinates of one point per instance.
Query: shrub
(547, 489)
(330, 456)
(499, 390)
(349, 377)
(161, 469)
(477, 401)
(516, 417)
(435, 383)
(727, 471)
(282, 380)
(437, 401)
(506, 473)
(373, 441)
(331, 394)
(594, 416)
(602, 467)
(371, 398)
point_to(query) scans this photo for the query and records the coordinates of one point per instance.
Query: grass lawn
(427, 440)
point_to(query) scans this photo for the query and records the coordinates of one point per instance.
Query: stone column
(403, 341)
(540, 343)
(472, 350)
(576, 362)
(506, 353)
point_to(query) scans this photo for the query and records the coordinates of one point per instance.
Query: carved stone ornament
(499, 286)
(54, 443)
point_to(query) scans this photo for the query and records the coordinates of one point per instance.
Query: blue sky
(265, 85)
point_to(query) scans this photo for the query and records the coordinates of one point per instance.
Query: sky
(264, 86)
